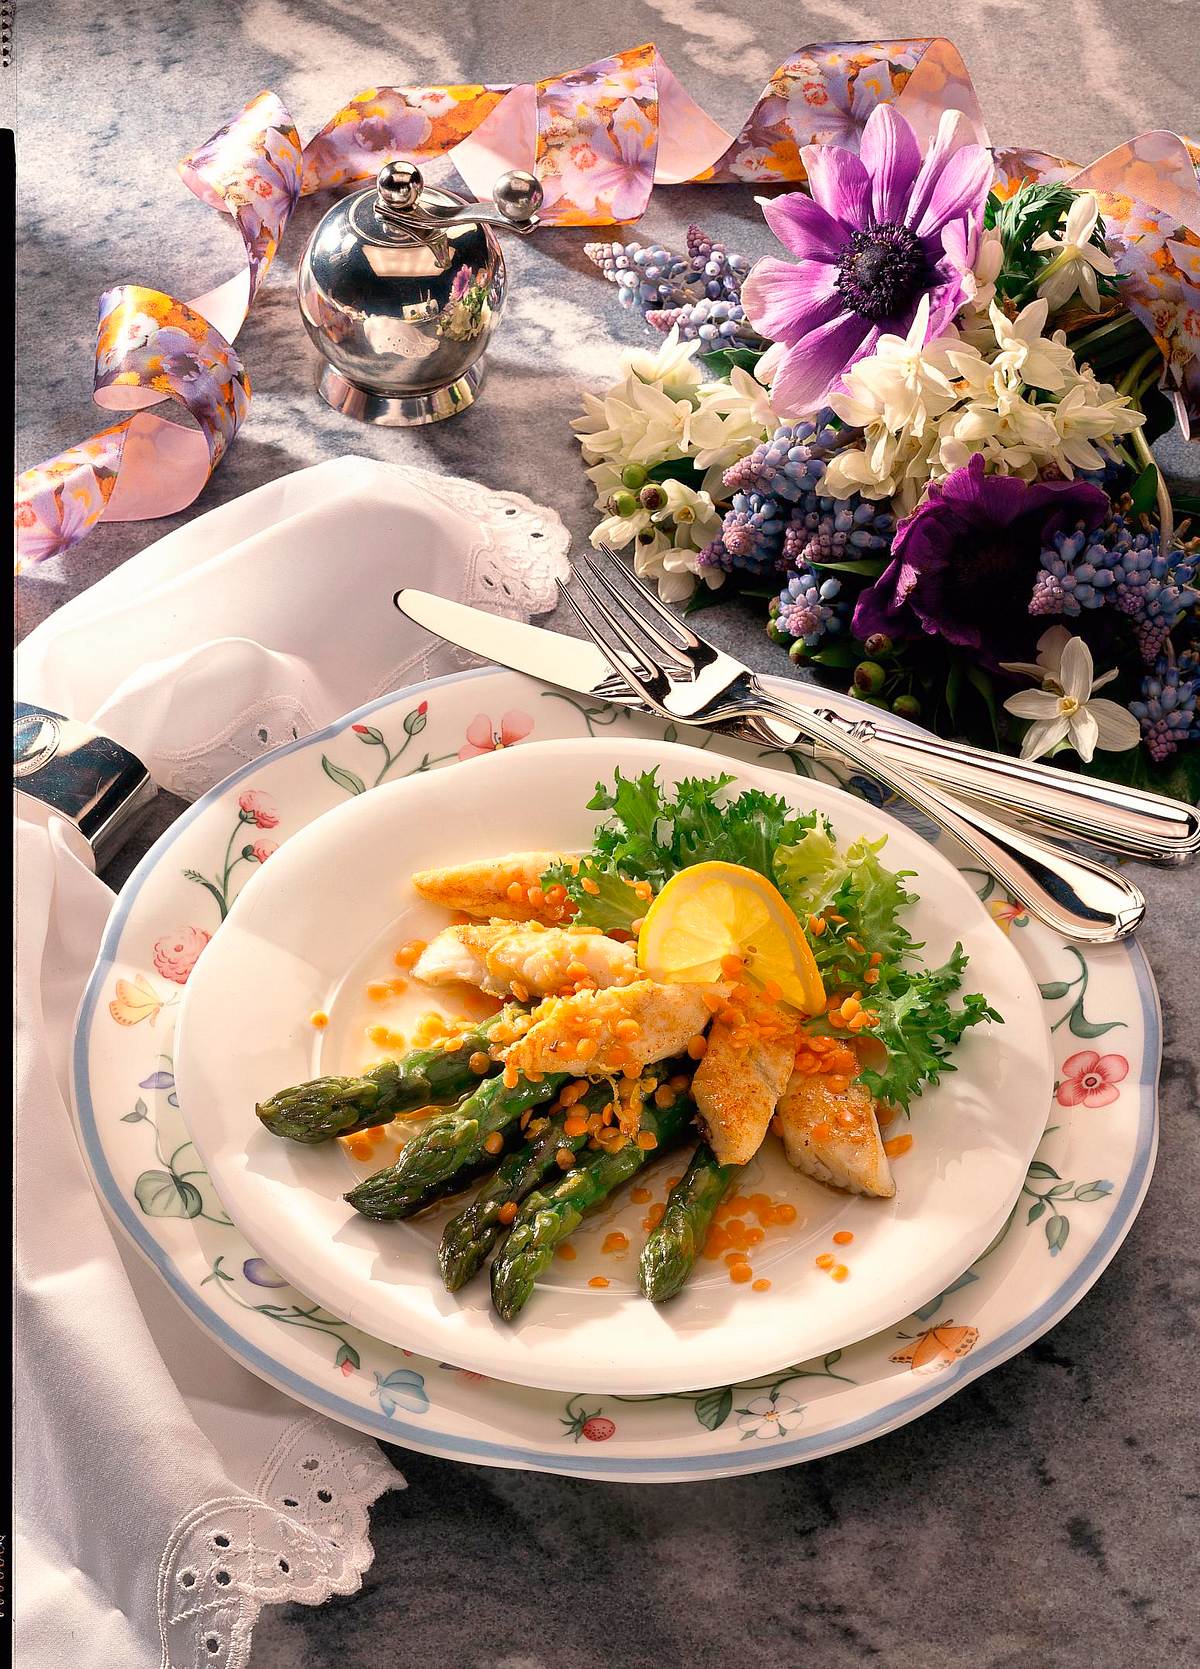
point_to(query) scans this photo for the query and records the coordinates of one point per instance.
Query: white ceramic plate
(314, 925)
(1080, 1197)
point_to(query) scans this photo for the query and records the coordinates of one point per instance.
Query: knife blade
(1040, 797)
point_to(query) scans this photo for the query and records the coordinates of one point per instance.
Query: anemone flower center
(882, 269)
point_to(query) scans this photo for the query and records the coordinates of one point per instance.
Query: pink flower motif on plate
(258, 808)
(1090, 1079)
(177, 954)
(262, 849)
(484, 737)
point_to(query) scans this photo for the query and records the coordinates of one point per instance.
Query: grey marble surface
(1046, 1516)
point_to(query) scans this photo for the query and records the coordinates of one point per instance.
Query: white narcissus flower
(1064, 708)
(693, 517)
(635, 422)
(674, 570)
(1076, 259)
(730, 419)
(1080, 418)
(617, 531)
(902, 384)
(1025, 354)
(671, 367)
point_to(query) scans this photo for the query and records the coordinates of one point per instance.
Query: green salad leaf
(652, 832)
(919, 1029)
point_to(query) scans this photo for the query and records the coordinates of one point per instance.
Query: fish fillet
(482, 889)
(738, 1085)
(835, 1137)
(543, 961)
(666, 1017)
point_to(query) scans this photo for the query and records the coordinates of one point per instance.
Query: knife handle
(1062, 804)
(1107, 814)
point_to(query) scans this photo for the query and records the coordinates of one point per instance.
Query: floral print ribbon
(599, 140)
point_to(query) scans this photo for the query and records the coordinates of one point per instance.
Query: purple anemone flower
(870, 242)
(964, 563)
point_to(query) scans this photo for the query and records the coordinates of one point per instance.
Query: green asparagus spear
(551, 1215)
(451, 1146)
(671, 1249)
(469, 1237)
(327, 1107)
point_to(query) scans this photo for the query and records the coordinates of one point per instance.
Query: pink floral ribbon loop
(151, 347)
(599, 138)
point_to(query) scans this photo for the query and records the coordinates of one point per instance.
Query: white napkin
(153, 1473)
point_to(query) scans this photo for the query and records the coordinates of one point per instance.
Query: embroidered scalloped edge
(301, 1535)
(510, 570)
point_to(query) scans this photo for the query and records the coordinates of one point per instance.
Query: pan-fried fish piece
(619, 1030)
(507, 888)
(738, 1084)
(525, 961)
(834, 1136)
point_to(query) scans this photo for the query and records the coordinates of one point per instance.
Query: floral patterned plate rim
(1081, 1195)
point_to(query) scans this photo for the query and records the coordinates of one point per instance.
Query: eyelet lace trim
(511, 568)
(302, 1535)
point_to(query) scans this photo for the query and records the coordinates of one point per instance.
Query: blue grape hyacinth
(1124, 565)
(810, 607)
(1167, 709)
(699, 292)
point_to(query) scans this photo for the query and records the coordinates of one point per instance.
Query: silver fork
(695, 683)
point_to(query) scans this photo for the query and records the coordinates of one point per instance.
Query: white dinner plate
(319, 922)
(1080, 1197)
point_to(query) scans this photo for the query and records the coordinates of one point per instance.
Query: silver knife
(1061, 803)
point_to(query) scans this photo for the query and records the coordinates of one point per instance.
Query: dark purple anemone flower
(963, 564)
(870, 242)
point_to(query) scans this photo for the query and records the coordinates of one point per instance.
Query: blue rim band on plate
(719, 1464)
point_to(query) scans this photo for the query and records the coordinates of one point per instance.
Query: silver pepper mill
(401, 287)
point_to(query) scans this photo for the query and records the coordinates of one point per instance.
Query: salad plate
(1080, 1195)
(316, 928)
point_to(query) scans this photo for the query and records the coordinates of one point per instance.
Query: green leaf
(1083, 1027)
(1039, 1167)
(837, 655)
(954, 680)
(367, 733)
(1057, 1230)
(138, 1114)
(347, 1353)
(1035, 1211)
(677, 469)
(414, 722)
(1059, 1189)
(723, 361)
(704, 597)
(713, 1407)
(345, 779)
(163, 1194)
(869, 567)
(1144, 492)
(981, 681)
(1053, 989)
(1092, 1191)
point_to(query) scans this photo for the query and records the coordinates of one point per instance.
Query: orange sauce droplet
(841, 1273)
(761, 1285)
(319, 1019)
(843, 1237)
(826, 1260)
(567, 1253)
(898, 1145)
(598, 1281)
(615, 1242)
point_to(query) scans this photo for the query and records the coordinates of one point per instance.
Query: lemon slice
(716, 910)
